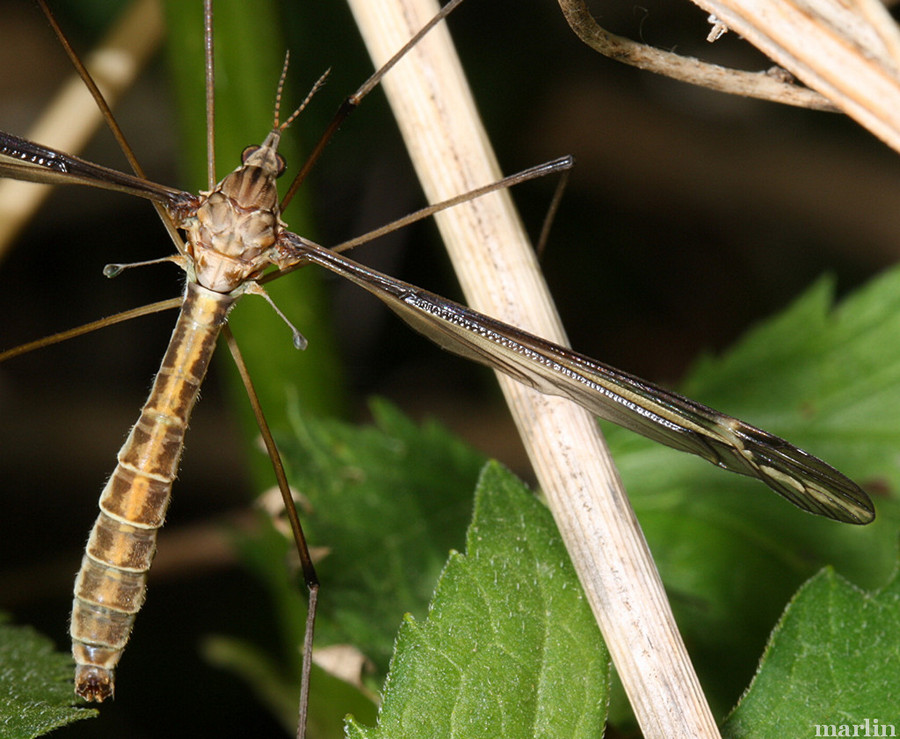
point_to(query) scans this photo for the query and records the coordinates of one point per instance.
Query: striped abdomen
(109, 590)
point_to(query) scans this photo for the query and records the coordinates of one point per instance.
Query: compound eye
(280, 165)
(247, 153)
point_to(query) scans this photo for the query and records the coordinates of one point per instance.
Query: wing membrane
(660, 415)
(52, 167)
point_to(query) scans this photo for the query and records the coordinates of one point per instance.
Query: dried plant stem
(499, 275)
(687, 69)
(848, 51)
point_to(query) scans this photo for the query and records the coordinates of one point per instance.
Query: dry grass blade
(72, 118)
(844, 50)
(497, 269)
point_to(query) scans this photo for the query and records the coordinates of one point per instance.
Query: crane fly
(234, 242)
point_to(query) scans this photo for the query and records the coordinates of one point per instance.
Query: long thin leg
(352, 102)
(309, 571)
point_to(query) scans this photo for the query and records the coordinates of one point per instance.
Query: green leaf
(388, 502)
(832, 660)
(385, 503)
(35, 685)
(395, 498)
(509, 647)
(731, 552)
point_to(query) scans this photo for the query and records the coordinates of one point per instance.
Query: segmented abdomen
(110, 586)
